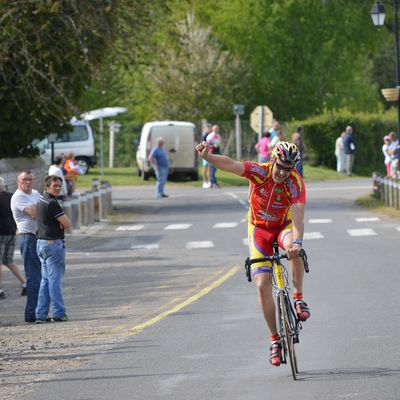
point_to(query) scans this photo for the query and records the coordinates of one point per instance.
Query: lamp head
(378, 14)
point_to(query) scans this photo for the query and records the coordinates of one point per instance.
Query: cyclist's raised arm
(224, 163)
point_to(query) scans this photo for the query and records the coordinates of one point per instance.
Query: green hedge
(320, 133)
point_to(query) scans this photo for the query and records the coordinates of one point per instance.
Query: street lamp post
(378, 14)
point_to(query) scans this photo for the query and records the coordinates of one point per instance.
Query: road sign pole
(238, 138)
(101, 148)
(260, 127)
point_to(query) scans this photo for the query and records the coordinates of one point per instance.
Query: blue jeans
(213, 178)
(52, 256)
(161, 175)
(27, 247)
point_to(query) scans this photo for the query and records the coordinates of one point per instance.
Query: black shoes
(61, 319)
(42, 321)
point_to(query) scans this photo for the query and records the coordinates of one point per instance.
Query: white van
(180, 140)
(78, 140)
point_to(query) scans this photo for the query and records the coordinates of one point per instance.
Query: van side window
(78, 134)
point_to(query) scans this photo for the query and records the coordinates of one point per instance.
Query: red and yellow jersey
(270, 202)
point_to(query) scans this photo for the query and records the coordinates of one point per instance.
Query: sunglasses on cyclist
(283, 168)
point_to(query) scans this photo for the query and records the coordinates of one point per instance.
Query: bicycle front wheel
(287, 330)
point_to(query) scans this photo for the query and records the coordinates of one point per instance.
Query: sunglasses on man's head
(283, 168)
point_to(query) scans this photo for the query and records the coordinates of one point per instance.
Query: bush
(320, 133)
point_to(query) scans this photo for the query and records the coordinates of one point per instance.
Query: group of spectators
(264, 148)
(68, 169)
(391, 152)
(275, 135)
(38, 223)
(345, 148)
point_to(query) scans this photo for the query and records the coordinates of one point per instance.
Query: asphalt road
(173, 289)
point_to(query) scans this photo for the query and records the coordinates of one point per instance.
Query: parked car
(79, 140)
(180, 140)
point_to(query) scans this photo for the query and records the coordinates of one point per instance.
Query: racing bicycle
(289, 325)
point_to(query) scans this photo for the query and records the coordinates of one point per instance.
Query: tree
(50, 51)
(304, 55)
(192, 77)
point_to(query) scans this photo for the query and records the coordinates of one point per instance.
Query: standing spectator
(52, 223)
(298, 140)
(263, 147)
(393, 151)
(7, 238)
(349, 145)
(214, 141)
(205, 163)
(277, 139)
(57, 170)
(159, 160)
(275, 129)
(339, 153)
(385, 150)
(24, 207)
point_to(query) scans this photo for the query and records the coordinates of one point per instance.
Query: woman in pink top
(263, 148)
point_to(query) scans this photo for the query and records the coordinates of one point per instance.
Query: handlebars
(274, 259)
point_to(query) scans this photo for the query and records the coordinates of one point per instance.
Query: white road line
(225, 225)
(368, 219)
(244, 203)
(152, 246)
(320, 221)
(245, 241)
(199, 245)
(130, 228)
(361, 232)
(312, 235)
(398, 228)
(177, 226)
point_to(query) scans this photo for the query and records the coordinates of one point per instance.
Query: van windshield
(170, 129)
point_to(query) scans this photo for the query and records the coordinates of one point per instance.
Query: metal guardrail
(387, 190)
(86, 208)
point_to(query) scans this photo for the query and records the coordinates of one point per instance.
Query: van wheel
(84, 164)
(194, 176)
(145, 176)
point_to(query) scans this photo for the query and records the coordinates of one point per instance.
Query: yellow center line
(138, 328)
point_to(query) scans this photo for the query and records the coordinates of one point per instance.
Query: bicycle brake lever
(304, 257)
(247, 267)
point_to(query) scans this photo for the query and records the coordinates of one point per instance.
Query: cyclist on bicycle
(277, 197)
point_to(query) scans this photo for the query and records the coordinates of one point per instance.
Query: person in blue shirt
(349, 145)
(159, 160)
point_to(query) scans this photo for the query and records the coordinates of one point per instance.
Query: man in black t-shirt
(7, 238)
(52, 223)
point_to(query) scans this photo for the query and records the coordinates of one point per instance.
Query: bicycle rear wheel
(287, 331)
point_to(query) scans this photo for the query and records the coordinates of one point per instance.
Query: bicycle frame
(289, 325)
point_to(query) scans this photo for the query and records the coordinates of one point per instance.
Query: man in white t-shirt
(23, 206)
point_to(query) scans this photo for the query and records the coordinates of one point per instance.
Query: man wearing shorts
(277, 203)
(7, 238)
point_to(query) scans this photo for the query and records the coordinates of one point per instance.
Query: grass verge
(372, 203)
(127, 176)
